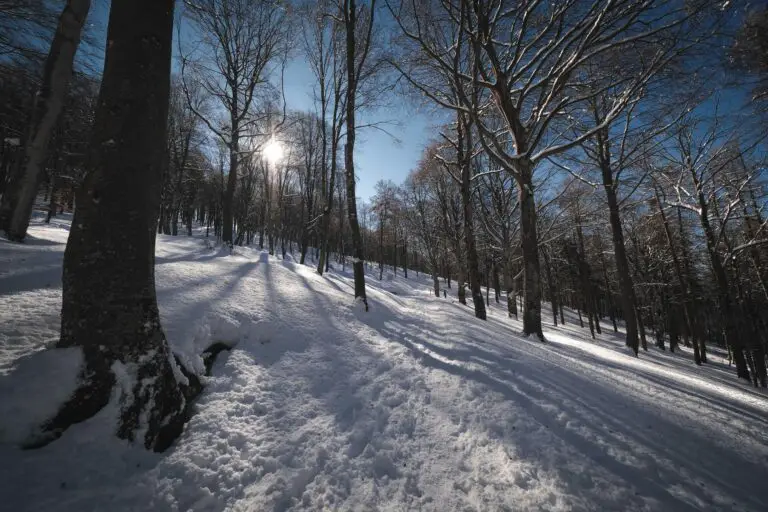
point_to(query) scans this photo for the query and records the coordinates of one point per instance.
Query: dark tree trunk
(52, 200)
(325, 221)
(109, 303)
(550, 285)
(683, 281)
(464, 149)
(350, 17)
(626, 286)
(724, 300)
(529, 243)
(405, 259)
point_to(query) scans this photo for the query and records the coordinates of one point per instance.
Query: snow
(42, 382)
(414, 405)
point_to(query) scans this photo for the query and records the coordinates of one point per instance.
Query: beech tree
(519, 62)
(109, 306)
(358, 27)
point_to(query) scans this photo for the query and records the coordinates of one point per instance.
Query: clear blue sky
(377, 155)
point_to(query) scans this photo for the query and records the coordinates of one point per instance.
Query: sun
(273, 151)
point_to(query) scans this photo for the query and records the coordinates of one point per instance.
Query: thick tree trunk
(530, 247)
(49, 103)
(436, 283)
(109, 303)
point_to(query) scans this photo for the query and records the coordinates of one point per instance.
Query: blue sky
(377, 155)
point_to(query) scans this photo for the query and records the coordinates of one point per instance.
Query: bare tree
(16, 210)
(239, 43)
(522, 62)
(358, 26)
(324, 48)
(699, 160)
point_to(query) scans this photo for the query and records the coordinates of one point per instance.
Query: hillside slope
(415, 405)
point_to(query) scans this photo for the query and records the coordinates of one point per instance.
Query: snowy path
(415, 405)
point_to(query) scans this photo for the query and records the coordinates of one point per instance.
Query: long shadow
(43, 270)
(197, 309)
(499, 375)
(195, 257)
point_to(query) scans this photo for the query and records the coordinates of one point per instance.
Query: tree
(324, 49)
(517, 75)
(700, 160)
(358, 31)
(750, 51)
(49, 102)
(239, 42)
(423, 217)
(109, 305)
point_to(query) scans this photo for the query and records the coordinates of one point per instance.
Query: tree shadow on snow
(530, 376)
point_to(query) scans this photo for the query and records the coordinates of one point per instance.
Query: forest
(606, 157)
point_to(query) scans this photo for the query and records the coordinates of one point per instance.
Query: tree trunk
(530, 246)
(325, 222)
(626, 286)
(723, 295)
(381, 248)
(550, 285)
(109, 304)
(49, 103)
(52, 200)
(229, 193)
(405, 258)
(464, 158)
(683, 281)
(436, 283)
(350, 15)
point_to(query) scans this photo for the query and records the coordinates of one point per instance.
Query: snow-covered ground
(415, 405)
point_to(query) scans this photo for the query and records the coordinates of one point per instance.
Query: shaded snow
(41, 382)
(415, 405)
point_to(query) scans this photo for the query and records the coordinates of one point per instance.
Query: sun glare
(273, 151)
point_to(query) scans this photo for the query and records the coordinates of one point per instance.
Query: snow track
(415, 405)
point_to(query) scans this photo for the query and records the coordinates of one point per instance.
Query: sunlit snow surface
(415, 405)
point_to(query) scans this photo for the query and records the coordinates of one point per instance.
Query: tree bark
(109, 304)
(49, 102)
(626, 286)
(529, 243)
(551, 285)
(464, 157)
